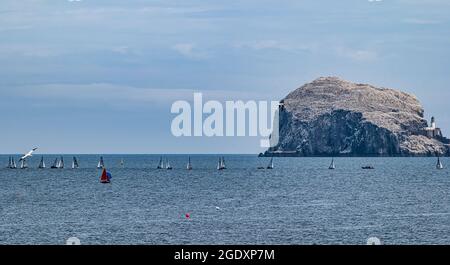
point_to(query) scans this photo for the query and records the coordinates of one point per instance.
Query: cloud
(273, 45)
(357, 55)
(189, 50)
(121, 95)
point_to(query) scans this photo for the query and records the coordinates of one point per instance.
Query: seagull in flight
(29, 154)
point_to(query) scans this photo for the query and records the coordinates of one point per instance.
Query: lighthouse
(433, 131)
(433, 123)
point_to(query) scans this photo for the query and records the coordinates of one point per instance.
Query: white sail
(9, 163)
(122, 163)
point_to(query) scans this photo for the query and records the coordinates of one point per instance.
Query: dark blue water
(402, 201)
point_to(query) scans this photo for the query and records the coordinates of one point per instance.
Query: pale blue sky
(99, 76)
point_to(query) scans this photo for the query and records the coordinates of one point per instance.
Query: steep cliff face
(331, 116)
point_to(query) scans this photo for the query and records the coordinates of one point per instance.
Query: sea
(302, 202)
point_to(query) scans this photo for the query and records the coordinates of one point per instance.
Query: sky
(100, 76)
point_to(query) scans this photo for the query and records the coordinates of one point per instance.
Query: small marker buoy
(188, 216)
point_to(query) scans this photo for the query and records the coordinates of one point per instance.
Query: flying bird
(29, 154)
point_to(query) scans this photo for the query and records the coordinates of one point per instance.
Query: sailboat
(42, 163)
(189, 165)
(106, 177)
(161, 163)
(221, 164)
(12, 163)
(75, 163)
(332, 165)
(270, 166)
(61, 163)
(101, 163)
(439, 164)
(55, 164)
(23, 164)
(168, 166)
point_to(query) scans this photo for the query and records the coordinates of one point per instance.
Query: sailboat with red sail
(106, 177)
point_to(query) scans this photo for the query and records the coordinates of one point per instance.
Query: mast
(10, 163)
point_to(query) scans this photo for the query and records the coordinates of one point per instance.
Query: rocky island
(334, 117)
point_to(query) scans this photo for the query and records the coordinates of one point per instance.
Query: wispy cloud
(357, 55)
(273, 45)
(123, 95)
(189, 50)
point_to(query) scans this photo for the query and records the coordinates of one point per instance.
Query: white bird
(29, 154)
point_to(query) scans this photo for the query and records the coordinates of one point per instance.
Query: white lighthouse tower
(433, 123)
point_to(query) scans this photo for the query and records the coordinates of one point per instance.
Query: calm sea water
(402, 201)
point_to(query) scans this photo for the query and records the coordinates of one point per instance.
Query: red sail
(104, 178)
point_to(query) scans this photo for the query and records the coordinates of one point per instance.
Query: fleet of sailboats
(164, 163)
